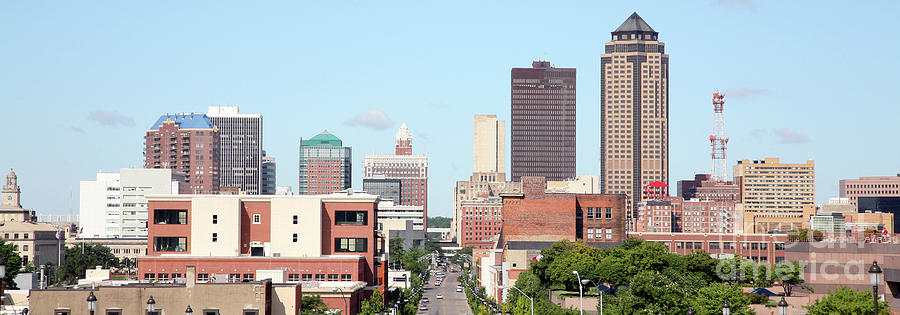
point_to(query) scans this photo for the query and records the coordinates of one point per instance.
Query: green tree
(374, 305)
(805, 235)
(708, 300)
(439, 222)
(846, 301)
(789, 275)
(82, 257)
(13, 263)
(312, 305)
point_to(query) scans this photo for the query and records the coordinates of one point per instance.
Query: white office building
(240, 148)
(114, 206)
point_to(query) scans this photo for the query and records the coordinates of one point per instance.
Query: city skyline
(75, 71)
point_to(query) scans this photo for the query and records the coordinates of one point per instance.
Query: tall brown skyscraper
(543, 122)
(634, 111)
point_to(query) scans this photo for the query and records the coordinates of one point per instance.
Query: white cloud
(745, 4)
(374, 119)
(745, 92)
(110, 118)
(788, 136)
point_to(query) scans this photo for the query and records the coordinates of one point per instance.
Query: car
(425, 299)
(424, 308)
(458, 289)
(437, 283)
(439, 296)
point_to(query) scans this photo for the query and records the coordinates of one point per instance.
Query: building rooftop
(324, 138)
(26, 226)
(185, 121)
(634, 23)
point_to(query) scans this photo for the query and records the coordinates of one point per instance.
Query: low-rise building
(761, 248)
(37, 243)
(122, 248)
(881, 186)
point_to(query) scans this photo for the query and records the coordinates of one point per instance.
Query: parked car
(440, 296)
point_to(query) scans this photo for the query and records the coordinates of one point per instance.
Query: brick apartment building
(329, 238)
(189, 144)
(481, 221)
(703, 187)
(535, 215)
(678, 215)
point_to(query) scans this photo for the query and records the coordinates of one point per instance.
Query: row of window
(15, 236)
(598, 213)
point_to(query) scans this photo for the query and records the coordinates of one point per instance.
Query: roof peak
(634, 23)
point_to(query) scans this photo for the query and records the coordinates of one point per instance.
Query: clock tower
(11, 192)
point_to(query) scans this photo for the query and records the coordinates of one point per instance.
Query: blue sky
(82, 80)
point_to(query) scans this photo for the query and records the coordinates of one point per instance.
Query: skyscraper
(267, 175)
(489, 145)
(775, 196)
(187, 143)
(324, 165)
(240, 148)
(543, 121)
(411, 170)
(634, 111)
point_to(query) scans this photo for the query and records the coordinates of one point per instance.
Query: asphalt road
(453, 303)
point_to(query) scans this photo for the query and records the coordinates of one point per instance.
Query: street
(453, 303)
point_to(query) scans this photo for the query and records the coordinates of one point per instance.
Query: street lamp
(151, 305)
(580, 292)
(875, 277)
(2, 276)
(92, 302)
(585, 281)
(726, 309)
(526, 295)
(189, 310)
(690, 311)
(782, 306)
(346, 304)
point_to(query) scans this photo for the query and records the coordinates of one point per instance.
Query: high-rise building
(775, 196)
(114, 205)
(543, 122)
(187, 143)
(267, 175)
(411, 170)
(634, 111)
(325, 165)
(489, 145)
(386, 188)
(704, 187)
(884, 186)
(240, 148)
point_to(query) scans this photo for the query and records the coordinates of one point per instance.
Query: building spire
(404, 141)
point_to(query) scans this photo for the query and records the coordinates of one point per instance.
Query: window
(307, 277)
(332, 277)
(150, 276)
(114, 311)
(215, 237)
(248, 277)
(294, 277)
(163, 276)
(295, 237)
(609, 234)
(590, 234)
(728, 245)
(257, 219)
(320, 277)
(679, 245)
(590, 213)
(754, 245)
(210, 312)
(779, 246)
(202, 277)
(170, 244)
(609, 213)
(25, 236)
(350, 218)
(698, 245)
(215, 219)
(763, 245)
(350, 245)
(25, 247)
(296, 219)
(714, 245)
(689, 245)
(234, 277)
(251, 312)
(347, 277)
(16, 235)
(170, 217)
(62, 312)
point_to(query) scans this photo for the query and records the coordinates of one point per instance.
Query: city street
(453, 303)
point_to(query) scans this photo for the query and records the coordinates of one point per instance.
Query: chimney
(190, 276)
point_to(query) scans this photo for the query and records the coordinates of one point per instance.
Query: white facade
(240, 148)
(389, 212)
(114, 205)
(489, 144)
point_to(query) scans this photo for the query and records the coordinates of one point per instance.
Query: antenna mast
(717, 140)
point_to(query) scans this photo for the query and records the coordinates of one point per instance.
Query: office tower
(543, 122)
(387, 188)
(240, 148)
(884, 186)
(325, 165)
(187, 143)
(411, 170)
(489, 145)
(634, 112)
(267, 176)
(775, 196)
(114, 205)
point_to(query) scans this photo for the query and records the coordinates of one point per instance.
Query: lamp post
(726, 309)
(580, 292)
(151, 305)
(782, 306)
(585, 281)
(690, 311)
(2, 277)
(92, 302)
(875, 277)
(526, 295)
(346, 304)
(189, 310)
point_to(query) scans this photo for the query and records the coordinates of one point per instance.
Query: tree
(789, 275)
(846, 301)
(82, 257)
(708, 300)
(13, 263)
(374, 305)
(439, 222)
(805, 235)
(312, 305)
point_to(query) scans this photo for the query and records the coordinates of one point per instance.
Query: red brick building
(534, 215)
(410, 170)
(675, 214)
(307, 238)
(481, 221)
(704, 188)
(188, 144)
(762, 248)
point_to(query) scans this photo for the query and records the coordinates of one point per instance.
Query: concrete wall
(228, 228)
(308, 227)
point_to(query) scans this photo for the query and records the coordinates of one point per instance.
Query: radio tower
(717, 140)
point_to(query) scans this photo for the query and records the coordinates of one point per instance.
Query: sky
(81, 81)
